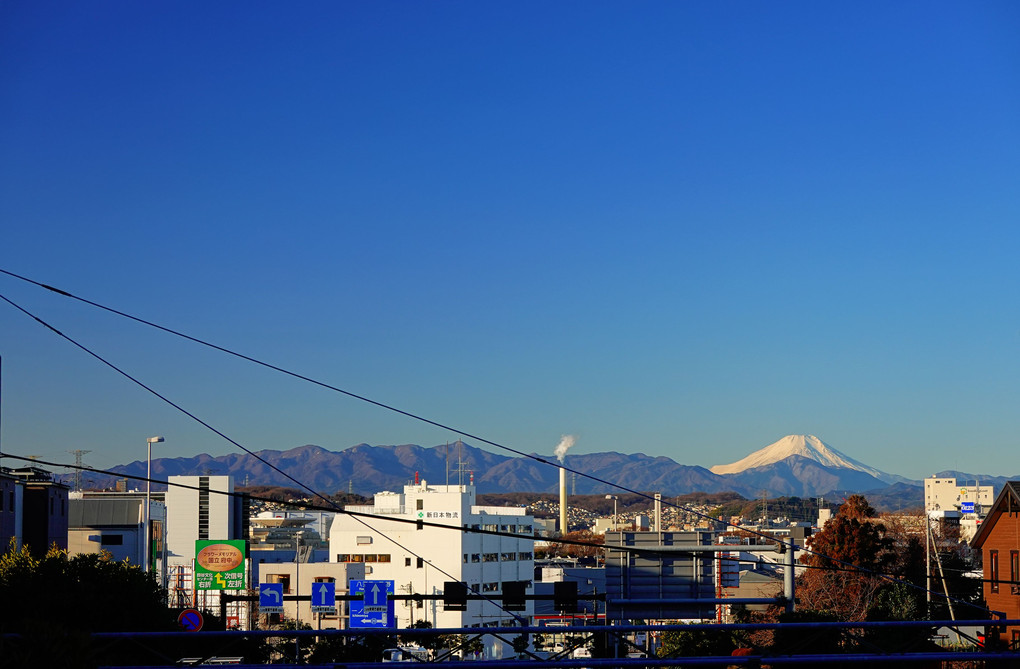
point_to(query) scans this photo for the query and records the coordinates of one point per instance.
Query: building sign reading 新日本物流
(219, 565)
(436, 515)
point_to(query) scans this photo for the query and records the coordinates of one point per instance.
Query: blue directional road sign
(271, 597)
(967, 507)
(324, 597)
(377, 609)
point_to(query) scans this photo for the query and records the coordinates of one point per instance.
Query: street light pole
(297, 575)
(616, 528)
(148, 500)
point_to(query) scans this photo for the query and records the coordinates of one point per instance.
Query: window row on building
(498, 557)
(490, 527)
(363, 557)
(494, 586)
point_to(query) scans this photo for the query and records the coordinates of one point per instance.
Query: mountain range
(796, 465)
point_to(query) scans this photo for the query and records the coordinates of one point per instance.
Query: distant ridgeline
(796, 466)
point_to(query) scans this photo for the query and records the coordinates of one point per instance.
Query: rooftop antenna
(460, 463)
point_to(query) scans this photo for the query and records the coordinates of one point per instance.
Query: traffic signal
(454, 596)
(565, 596)
(513, 595)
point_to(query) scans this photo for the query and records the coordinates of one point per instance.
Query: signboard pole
(250, 582)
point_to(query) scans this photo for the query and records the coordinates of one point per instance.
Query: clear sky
(681, 228)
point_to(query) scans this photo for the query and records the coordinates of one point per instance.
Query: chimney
(563, 501)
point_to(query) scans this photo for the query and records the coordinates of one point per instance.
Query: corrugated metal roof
(105, 512)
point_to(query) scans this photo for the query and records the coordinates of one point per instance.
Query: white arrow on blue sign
(375, 597)
(377, 608)
(271, 597)
(324, 597)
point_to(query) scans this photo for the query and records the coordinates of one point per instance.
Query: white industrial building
(945, 494)
(954, 503)
(420, 561)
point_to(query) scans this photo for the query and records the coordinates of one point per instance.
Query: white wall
(946, 494)
(447, 555)
(182, 514)
(308, 572)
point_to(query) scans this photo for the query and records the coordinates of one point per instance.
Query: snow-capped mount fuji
(805, 446)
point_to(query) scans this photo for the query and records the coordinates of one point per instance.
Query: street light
(615, 528)
(297, 573)
(614, 498)
(148, 501)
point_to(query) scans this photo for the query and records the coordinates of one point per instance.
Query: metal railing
(977, 656)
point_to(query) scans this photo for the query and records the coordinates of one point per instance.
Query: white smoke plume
(565, 443)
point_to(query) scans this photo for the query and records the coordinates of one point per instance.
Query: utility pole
(927, 563)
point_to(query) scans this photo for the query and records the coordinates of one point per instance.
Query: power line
(243, 448)
(845, 568)
(355, 396)
(328, 386)
(331, 507)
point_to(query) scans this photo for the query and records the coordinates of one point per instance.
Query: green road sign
(219, 565)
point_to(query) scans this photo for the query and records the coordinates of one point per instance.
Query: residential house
(998, 539)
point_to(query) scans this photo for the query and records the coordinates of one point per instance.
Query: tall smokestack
(563, 501)
(566, 441)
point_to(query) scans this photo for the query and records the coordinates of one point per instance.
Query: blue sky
(686, 229)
